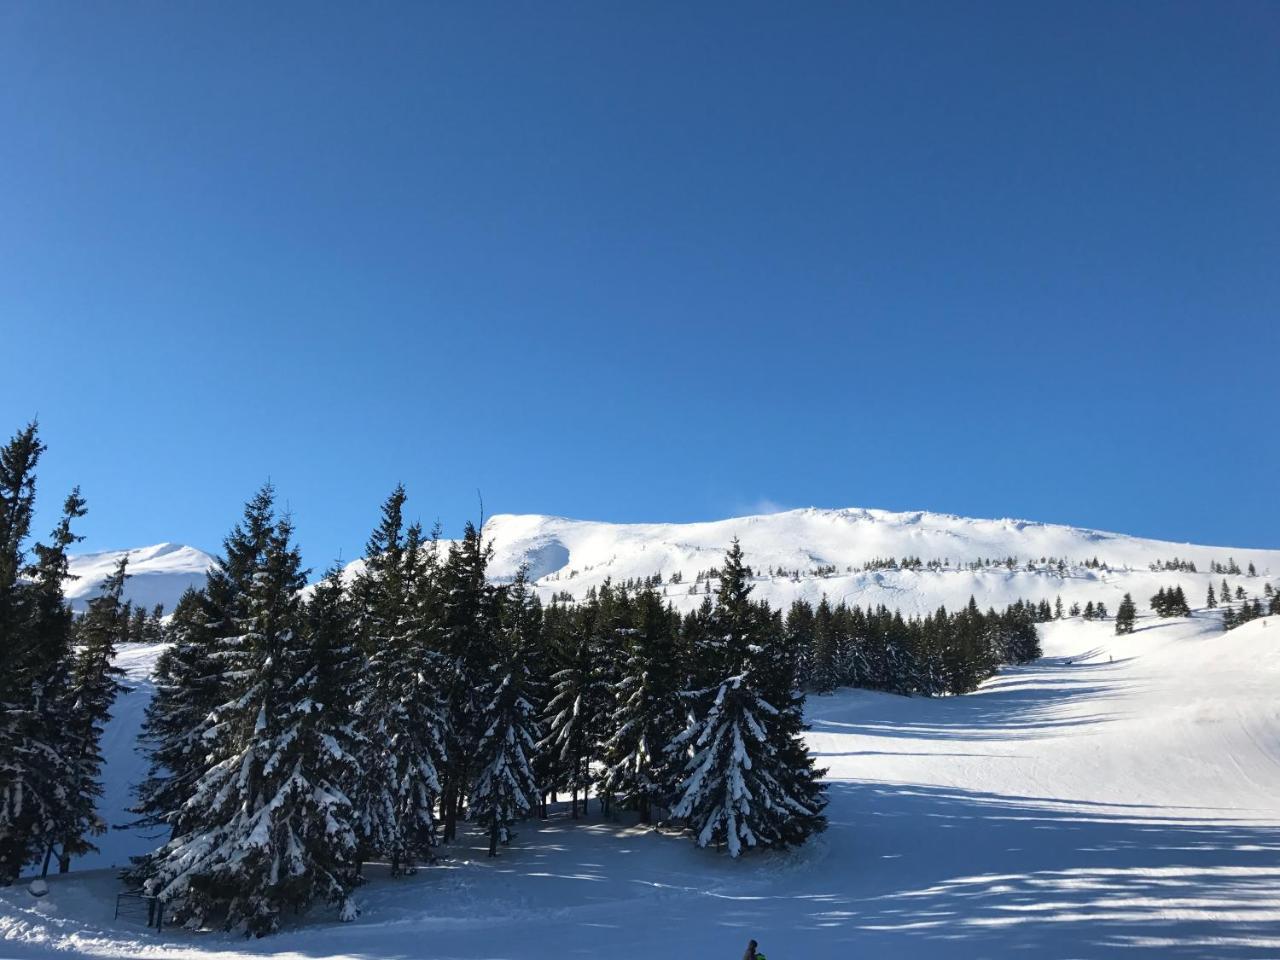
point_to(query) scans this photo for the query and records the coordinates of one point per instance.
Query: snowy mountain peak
(157, 574)
(811, 552)
(808, 552)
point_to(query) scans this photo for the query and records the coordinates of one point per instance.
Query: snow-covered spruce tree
(506, 787)
(801, 635)
(800, 781)
(267, 826)
(609, 642)
(93, 689)
(397, 716)
(197, 674)
(556, 643)
(468, 642)
(35, 657)
(571, 716)
(748, 779)
(18, 460)
(187, 684)
(648, 712)
(1126, 615)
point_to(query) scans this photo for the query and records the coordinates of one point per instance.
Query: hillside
(157, 574)
(1116, 799)
(821, 551)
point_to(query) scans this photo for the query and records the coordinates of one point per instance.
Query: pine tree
(648, 712)
(1211, 601)
(506, 787)
(1126, 615)
(94, 686)
(398, 717)
(36, 781)
(267, 825)
(188, 684)
(468, 640)
(196, 676)
(741, 784)
(571, 715)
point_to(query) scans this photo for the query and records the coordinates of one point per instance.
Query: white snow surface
(157, 574)
(572, 555)
(1118, 798)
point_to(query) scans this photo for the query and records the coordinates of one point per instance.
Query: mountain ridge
(805, 553)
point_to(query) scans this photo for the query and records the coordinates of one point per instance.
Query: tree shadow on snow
(945, 872)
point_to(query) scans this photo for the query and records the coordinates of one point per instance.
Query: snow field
(1118, 798)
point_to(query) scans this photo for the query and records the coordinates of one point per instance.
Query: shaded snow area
(1119, 798)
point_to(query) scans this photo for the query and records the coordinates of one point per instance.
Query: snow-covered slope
(570, 556)
(573, 555)
(1119, 798)
(157, 574)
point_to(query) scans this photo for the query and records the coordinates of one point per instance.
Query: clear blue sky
(644, 261)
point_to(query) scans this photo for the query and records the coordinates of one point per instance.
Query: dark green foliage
(398, 716)
(469, 626)
(506, 786)
(268, 824)
(1170, 602)
(748, 779)
(647, 712)
(188, 684)
(93, 689)
(38, 784)
(1126, 615)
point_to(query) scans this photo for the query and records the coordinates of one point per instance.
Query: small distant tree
(1126, 615)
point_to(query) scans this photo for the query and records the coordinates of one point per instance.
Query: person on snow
(751, 953)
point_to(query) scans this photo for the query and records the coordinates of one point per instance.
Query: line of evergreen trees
(879, 649)
(57, 681)
(293, 737)
(1170, 602)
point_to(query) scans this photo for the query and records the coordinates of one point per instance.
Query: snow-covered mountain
(828, 549)
(157, 574)
(805, 553)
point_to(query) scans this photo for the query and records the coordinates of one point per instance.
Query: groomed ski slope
(1119, 798)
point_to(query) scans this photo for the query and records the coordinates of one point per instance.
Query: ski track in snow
(1125, 805)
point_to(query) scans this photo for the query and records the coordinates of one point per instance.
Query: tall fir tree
(37, 782)
(187, 684)
(506, 788)
(401, 730)
(95, 684)
(1126, 614)
(467, 639)
(647, 713)
(747, 779)
(267, 826)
